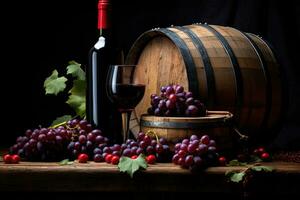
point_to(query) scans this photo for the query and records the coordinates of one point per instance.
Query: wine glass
(124, 93)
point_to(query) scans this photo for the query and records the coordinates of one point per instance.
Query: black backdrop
(39, 36)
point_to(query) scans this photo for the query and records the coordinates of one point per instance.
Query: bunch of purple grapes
(43, 144)
(85, 139)
(196, 153)
(144, 145)
(174, 101)
(55, 144)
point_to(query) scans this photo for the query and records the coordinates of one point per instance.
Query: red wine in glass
(123, 92)
(127, 96)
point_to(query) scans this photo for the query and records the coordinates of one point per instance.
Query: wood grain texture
(95, 177)
(161, 62)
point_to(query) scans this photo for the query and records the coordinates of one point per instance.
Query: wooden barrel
(225, 68)
(217, 124)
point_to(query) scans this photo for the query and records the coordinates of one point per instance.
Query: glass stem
(125, 125)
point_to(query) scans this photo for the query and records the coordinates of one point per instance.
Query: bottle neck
(104, 18)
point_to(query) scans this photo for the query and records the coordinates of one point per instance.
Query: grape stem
(240, 134)
(58, 125)
(149, 133)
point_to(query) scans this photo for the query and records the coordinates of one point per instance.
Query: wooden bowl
(217, 124)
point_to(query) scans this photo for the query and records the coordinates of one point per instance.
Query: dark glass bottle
(100, 111)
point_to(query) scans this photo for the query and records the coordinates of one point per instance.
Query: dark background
(40, 36)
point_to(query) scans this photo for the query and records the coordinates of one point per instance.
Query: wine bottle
(100, 111)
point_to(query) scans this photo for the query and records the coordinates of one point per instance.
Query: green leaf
(75, 70)
(262, 168)
(77, 98)
(235, 177)
(255, 159)
(234, 163)
(61, 120)
(54, 84)
(130, 166)
(78, 103)
(65, 162)
(1, 159)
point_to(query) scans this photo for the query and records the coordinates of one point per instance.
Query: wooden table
(101, 177)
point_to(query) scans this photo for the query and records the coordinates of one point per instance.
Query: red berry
(173, 98)
(83, 158)
(7, 159)
(134, 157)
(108, 158)
(265, 156)
(115, 160)
(16, 159)
(222, 161)
(151, 159)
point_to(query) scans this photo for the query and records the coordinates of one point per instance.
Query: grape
(159, 148)
(194, 137)
(82, 139)
(153, 143)
(141, 136)
(28, 133)
(127, 152)
(169, 90)
(202, 148)
(157, 112)
(162, 105)
(188, 95)
(192, 111)
(97, 151)
(192, 148)
(83, 124)
(173, 98)
(150, 150)
(205, 139)
(98, 158)
(190, 101)
(198, 154)
(179, 89)
(198, 161)
(189, 160)
(139, 151)
(212, 143)
(170, 104)
(186, 141)
(163, 89)
(175, 159)
(162, 141)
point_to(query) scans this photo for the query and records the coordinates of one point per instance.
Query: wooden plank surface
(101, 177)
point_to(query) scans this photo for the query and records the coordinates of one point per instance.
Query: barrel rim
(217, 119)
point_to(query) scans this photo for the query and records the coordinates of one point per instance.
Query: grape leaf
(235, 177)
(77, 98)
(66, 162)
(130, 166)
(78, 103)
(62, 119)
(234, 163)
(75, 70)
(54, 84)
(262, 168)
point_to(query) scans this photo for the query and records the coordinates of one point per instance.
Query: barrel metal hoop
(267, 78)
(184, 125)
(235, 65)
(210, 77)
(284, 93)
(188, 60)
